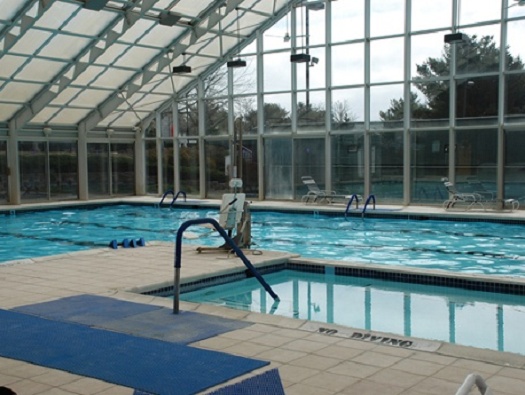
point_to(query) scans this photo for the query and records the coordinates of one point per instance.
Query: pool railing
(175, 196)
(228, 240)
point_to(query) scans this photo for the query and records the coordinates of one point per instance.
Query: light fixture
(300, 58)
(183, 68)
(518, 3)
(314, 61)
(47, 131)
(167, 18)
(95, 5)
(237, 62)
(110, 132)
(454, 38)
(286, 37)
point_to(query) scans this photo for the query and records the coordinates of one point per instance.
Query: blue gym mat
(134, 318)
(149, 365)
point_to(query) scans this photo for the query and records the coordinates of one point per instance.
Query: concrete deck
(308, 362)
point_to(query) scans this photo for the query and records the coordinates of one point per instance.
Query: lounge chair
(466, 199)
(317, 195)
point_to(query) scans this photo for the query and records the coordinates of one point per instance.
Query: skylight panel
(89, 22)
(40, 70)
(30, 42)
(64, 47)
(7, 111)
(19, 92)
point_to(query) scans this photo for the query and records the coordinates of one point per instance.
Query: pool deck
(308, 362)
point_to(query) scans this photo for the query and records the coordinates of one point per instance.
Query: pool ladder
(228, 240)
(368, 200)
(170, 192)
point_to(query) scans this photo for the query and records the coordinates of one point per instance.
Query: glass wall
(98, 170)
(4, 192)
(152, 168)
(33, 170)
(63, 170)
(189, 166)
(347, 164)
(218, 167)
(514, 164)
(168, 175)
(278, 162)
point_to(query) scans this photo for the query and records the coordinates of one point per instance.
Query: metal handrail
(371, 197)
(228, 240)
(471, 380)
(170, 191)
(350, 203)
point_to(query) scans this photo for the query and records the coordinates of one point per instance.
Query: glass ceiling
(102, 63)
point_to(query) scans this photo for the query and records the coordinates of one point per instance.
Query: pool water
(470, 318)
(472, 247)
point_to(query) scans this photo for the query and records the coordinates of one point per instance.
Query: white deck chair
(467, 199)
(317, 195)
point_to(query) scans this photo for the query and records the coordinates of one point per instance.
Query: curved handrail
(350, 203)
(177, 195)
(166, 194)
(228, 240)
(371, 197)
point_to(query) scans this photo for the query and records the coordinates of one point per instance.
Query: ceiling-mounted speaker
(236, 63)
(300, 58)
(181, 69)
(455, 38)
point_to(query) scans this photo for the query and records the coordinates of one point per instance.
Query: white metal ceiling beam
(176, 48)
(90, 53)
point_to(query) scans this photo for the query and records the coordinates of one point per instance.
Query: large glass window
(429, 103)
(347, 164)
(429, 164)
(515, 98)
(514, 164)
(168, 175)
(248, 171)
(33, 170)
(386, 60)
(479, 52)
(311, 111)
(218, 167)
(387, 17)
(98, 170)
(348, 22)
(348, 111)
(63, 170)
(278, 168)
(386, 106)
(309, 159)
(348, 64)
(277, 109)
(4, 192)
(277, 72)
(477, 100)
(245, 78)
(122, 169)
(245, 114)
(216, 117)
(431, 14)
(189, 166)
(474, 11)
(166, 123)
(386, 166)
(188, 118)
(152, 181)
(476, 158)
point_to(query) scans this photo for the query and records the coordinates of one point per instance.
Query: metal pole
(176, 291)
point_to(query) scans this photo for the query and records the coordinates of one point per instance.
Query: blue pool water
(470, 318)
(473, 247)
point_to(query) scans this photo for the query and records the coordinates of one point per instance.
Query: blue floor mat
(149, 365)
(134, 318)
(267, 383)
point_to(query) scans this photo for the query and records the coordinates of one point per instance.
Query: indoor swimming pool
(470, 318)
(470, 247)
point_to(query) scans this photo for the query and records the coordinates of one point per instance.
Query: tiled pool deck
(308, 362)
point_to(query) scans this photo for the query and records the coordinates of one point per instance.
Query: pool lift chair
(234, 216)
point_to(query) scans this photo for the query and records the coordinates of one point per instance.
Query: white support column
(202, 132)
(452, 99)
(500, 175)
(260, 114)
(367, 148)
(328, 95)
(13, 179)
(82, 157)
(160, 152)
(176, 147)
(406, 108)
(140, 163)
